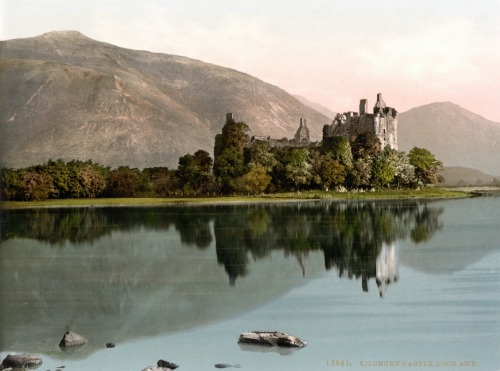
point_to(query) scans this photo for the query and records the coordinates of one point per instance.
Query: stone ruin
(382, 122)
(300, 139)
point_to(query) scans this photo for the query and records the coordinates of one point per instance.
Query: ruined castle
(382, 122)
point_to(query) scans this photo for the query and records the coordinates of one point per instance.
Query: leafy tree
(126, 182)
(366, 146)
(253, 182)
(297, 167)
(228, 154)
(195, 173)
(35, 184)
(235, 135)
(339, 149)
(333, 173)
(162, 181)
(360, 174)
(61, 178)
(260, 154)
(229, 166)
(10, 184)
(426, 165)
(383, 170)
(94, 179)
(404, 171)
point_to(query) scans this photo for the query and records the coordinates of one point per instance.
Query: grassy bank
(430, 192)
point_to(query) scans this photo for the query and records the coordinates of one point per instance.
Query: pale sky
(333, 52)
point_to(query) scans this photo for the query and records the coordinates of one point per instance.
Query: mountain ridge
(85, 98)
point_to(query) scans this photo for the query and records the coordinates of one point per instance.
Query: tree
(332, 173)
(366, 145)
(426, 165)
(162, 181)
(229, 166)
(10, 184)
(405, 172)
(360, 174)
(228, 154)
(35, 184)
(339, 149)
(94, 179)
(61, 178)
(126, 182)
(195, 173)
(253, 182)
(297, 167)
(259, 154)
(383, 169)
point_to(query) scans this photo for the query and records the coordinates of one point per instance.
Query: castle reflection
(357, 239)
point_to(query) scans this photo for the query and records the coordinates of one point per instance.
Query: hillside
(318, 107)
(456, 136)
(67, 96)
(461, 176)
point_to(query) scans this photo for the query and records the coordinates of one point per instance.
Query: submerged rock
(22, 361)
(71, 339)
(152, 368)
(271, 339)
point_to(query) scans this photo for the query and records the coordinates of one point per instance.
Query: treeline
(239, 166)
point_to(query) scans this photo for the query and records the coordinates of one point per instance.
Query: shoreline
(426, 193)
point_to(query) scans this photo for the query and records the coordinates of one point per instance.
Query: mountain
(67, 96)
(456, 136)
(461, 176)
(316, 106)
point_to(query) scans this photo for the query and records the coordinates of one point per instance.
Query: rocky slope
(66, 96)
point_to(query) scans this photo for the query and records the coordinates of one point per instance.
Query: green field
(429, 192)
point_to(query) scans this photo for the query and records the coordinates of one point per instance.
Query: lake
(370, 285)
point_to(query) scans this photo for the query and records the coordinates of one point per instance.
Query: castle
(382, 122)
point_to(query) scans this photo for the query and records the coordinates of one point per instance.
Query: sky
(333, 52)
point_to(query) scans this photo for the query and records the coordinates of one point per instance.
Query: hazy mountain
(318, 107)
(460, 176)
(456, 136)
(67, 96)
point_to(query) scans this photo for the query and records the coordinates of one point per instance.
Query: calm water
(370, 285)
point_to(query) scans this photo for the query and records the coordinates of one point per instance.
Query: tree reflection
(354, 237)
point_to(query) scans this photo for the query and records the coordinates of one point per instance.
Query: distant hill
(66, 96)
(318, 107)
(456, 136)
(462, 176)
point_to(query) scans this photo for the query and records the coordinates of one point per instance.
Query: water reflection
(354, 237)
(119, 273)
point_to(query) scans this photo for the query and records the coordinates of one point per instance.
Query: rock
(166, 364)
(22, 361)
(152, 368)
(110, 345)
(271, 338)
(71, 339)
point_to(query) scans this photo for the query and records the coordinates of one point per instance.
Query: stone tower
(363, 106)
(302, 134)
(382, 122)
